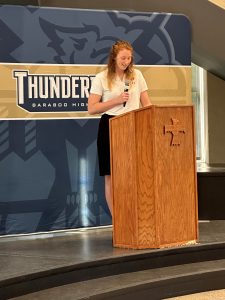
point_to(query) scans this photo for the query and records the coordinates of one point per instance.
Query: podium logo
(52, 93)
(175, 129)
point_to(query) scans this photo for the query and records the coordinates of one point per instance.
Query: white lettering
(54, 86)
(43, 87)
(74, 87)
(32, 87)
(66, 89)
(84, 85)
(19, 75)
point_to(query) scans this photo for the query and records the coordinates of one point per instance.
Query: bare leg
(108, 194)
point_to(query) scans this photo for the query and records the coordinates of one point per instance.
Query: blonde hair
(116, 48)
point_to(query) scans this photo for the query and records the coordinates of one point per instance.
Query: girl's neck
(120, 74)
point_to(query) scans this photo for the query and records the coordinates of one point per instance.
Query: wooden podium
(153, 168)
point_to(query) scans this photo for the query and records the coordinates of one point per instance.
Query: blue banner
(49, 168)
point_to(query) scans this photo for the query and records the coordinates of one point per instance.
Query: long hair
(118, 46)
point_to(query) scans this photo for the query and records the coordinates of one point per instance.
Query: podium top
(152, 107)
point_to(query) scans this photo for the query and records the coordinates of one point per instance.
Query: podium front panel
(175, 175)
(154, 186)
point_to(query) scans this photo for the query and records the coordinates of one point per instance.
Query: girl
(118, 89)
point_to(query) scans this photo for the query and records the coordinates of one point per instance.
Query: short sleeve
(96, 86)
(142, 83)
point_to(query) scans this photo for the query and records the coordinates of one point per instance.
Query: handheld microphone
(126, 89)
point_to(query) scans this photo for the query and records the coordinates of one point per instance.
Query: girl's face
(123, 59)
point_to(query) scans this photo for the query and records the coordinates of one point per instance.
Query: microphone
(126, 89)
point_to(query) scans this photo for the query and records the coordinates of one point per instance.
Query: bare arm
(145, 101)
(97, 107)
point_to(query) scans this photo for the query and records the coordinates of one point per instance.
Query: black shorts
(103, 145)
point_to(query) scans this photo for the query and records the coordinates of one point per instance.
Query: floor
(213, 295)
(24, 255)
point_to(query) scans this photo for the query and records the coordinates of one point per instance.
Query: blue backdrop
(48, 168)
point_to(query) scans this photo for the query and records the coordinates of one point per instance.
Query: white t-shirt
(99, 86)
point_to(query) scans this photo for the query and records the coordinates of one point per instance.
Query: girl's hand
(123, 97)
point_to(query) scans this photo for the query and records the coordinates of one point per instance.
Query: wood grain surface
(153, 180)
